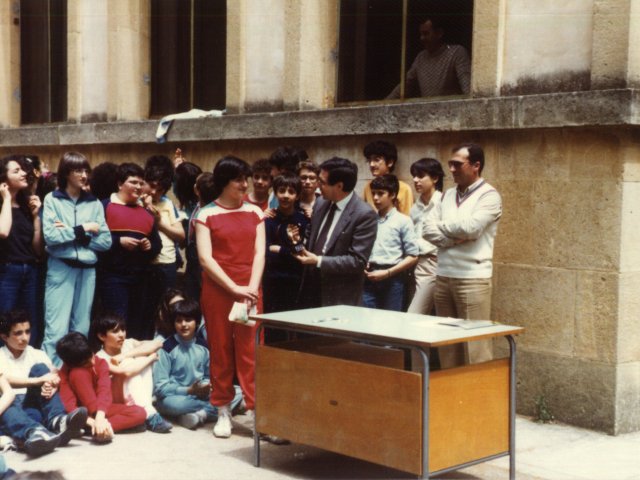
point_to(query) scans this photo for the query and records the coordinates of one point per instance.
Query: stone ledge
(574, 109)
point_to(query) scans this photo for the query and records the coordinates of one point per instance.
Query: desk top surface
(400, 327)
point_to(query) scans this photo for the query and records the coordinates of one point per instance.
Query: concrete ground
(553, 452)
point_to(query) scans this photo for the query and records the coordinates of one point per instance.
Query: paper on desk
(239, 314)
(468, 324)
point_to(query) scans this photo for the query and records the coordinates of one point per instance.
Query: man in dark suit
(343, 230)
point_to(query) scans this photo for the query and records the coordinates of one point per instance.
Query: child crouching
(85, 381)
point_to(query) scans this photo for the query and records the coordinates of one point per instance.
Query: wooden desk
(346, 391)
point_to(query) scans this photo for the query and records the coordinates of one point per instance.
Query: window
(43, 61)
(380, 40)
(188, 55)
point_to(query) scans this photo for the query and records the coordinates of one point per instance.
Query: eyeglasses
(311, 178)
(456, 164)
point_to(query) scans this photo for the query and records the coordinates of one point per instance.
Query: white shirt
(340, 206)
(21, 366)
(418, 213)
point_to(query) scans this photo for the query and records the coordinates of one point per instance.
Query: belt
(378, 266)
(76, 263)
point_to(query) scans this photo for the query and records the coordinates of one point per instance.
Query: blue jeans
(174, 405)
(31, 410)
(387, 294)
(18, 287)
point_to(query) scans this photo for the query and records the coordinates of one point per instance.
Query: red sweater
(86, 386)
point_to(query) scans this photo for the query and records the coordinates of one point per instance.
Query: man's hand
(377, 275)
(305, 257)
(129, 243)
(270, 213)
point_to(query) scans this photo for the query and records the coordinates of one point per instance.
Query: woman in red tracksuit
(231, 246)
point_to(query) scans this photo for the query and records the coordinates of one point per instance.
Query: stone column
(255, 55)
(627, 413)
(611, 48)
(9, 63)
(129, 59)
(489, 19)
(310, 54)
(88, 60)
(281, 54)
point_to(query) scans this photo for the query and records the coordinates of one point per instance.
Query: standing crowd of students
(89, 262)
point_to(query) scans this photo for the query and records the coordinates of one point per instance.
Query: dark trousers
(125, 294)
(19, 289)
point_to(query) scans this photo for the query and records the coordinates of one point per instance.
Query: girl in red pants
(231, 244)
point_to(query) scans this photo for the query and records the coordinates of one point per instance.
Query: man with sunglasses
(464, 228)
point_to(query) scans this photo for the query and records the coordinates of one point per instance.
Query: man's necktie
(322, 236)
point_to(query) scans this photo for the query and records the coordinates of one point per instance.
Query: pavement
(544, 451)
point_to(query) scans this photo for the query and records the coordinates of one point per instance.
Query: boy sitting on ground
(84, 380)
(37, 411)
(130, 363)
(181, 374)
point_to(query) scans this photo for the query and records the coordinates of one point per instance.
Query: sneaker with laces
(71, 425)
(222, 428)
(251, 419)
(157, 424)
(40, 442)
(189, 420)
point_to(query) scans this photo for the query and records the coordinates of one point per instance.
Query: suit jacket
(341, 274)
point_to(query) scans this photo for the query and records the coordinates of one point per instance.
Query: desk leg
(512, 408)
(256, 435)
(425, 411)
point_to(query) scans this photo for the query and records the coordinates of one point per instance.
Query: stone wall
(567, 260)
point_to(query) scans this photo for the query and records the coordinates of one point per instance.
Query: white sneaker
(222, 429)
(251, 419)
